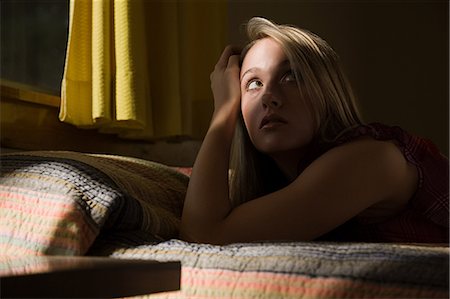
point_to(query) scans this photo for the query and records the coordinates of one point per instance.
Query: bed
(55, 203)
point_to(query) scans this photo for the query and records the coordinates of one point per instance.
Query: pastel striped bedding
(65, 203)
(294, 270)
(58, 202)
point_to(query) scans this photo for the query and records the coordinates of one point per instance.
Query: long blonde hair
(321, 81)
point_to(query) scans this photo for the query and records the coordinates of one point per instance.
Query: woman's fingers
(229, 51)
(225, 80)
(229, 58)
(233, 61)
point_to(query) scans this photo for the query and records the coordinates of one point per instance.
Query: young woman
(303, 165)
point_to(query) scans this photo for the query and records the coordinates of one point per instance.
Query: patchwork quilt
(67, 203)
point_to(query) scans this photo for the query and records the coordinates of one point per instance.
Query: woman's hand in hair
(225, 83)
(207, 198)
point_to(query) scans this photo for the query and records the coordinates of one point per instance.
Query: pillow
(59, 202)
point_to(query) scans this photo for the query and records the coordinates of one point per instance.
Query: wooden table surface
(85, 277)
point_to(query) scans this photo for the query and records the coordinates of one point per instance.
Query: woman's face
(277, 118)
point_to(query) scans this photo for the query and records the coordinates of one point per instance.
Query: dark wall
(395, 54)
(33, 42)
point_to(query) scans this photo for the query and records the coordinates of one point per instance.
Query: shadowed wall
(395, 54)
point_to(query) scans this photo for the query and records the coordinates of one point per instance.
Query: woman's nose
(269, 100)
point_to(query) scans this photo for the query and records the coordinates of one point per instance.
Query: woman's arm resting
(336, 187)
(207, 200)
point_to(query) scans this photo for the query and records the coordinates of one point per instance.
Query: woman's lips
(271, 120)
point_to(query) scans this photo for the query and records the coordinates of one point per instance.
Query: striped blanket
(65, 203)
(58, 202)
(295, 270)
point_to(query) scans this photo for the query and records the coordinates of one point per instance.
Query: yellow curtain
(141, 68)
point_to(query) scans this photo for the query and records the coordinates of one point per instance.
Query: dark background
(395, 52)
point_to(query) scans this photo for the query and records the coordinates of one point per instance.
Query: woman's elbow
(185, 235)
(203, 237)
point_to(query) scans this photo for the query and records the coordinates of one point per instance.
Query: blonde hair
(321, 82)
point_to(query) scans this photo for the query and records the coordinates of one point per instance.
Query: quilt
(295, 269)
(67, 203)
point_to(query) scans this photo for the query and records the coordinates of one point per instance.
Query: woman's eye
(255, 84)
(289, 77)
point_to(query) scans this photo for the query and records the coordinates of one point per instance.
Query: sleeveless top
(425, 219)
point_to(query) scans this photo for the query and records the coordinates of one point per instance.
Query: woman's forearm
(207, 200)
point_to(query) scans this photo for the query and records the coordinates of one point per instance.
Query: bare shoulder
(366, 150)
(342, 183)
(369, 163)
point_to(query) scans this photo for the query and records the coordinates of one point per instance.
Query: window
(33, 42)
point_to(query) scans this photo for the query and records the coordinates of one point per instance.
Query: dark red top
(426, 217)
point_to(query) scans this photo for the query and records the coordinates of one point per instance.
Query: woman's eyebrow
(250, 70)
(283, 64)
